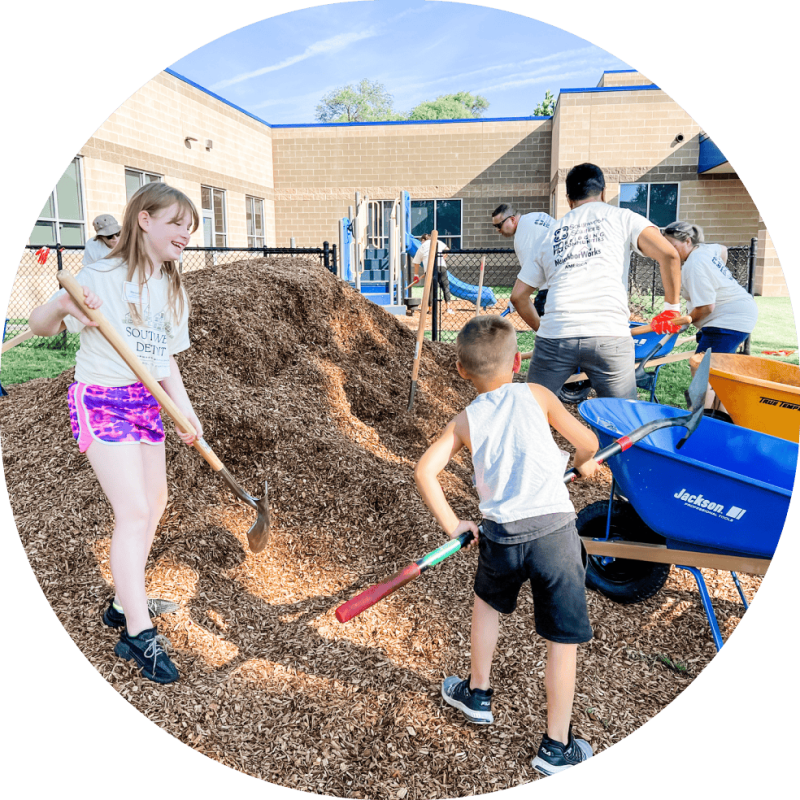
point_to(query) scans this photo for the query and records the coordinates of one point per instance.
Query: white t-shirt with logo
(582, 260)
(531, 231)
(154, 340)
(705, 280)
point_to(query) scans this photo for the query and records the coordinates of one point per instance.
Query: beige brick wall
(148, 133)
(768, 280)
(308, 176)
(319, 169)
(623, 79)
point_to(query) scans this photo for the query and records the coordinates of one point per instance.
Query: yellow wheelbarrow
(758, 393)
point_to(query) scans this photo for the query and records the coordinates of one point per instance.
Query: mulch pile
(301, 382)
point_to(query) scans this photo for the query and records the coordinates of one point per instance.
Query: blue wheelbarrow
(648, 345)
(720, 502)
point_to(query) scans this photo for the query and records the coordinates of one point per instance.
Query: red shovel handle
(369, 597)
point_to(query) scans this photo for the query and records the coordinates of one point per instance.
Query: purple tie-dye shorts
(114, 415)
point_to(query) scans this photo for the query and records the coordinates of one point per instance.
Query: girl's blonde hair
(152, 197)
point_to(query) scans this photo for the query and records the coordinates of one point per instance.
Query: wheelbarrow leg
(741, 591)
(606, 560)
(706, 598)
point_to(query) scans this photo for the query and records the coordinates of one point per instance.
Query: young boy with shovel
(528, 530)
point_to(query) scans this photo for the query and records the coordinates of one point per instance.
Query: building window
(214, 219)
(62, 219)
(135, 179)
(255, 221)
(656, 201)
(442, 215)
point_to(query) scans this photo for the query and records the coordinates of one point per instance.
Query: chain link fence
(645, 289)
(36, 280)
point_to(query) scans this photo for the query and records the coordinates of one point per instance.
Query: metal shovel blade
(696, 396)
(258, 535)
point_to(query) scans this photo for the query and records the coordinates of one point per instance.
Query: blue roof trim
(343, 124)
(709, 156)
(611, 71)
(216, 96)
(611, 89)
(404, 122)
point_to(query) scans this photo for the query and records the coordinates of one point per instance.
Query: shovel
(695, 400)
(258, 535)
(695, 397)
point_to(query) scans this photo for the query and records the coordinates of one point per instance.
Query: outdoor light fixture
(188, 141)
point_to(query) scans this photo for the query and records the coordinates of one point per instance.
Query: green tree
(365, 101)
(546, 107)
(461, 105)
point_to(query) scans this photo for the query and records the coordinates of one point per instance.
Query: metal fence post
(751, 269)
(334, 260)
(60, 265)
(326, 255)
(435, 309)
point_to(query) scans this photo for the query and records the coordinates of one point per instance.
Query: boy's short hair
(485, 344)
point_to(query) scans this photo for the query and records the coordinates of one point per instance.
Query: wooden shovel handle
(424, 310)
(20, 337)
(684, 320)
(75, 291)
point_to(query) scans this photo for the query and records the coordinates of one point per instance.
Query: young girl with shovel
(114, 418)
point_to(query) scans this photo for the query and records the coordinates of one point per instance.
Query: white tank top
(519, 469)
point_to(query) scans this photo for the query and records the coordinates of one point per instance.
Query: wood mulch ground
(302, 382)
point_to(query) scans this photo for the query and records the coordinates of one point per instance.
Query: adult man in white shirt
(582, 261)
(528, 230)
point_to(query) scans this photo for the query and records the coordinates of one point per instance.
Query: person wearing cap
(106, 236)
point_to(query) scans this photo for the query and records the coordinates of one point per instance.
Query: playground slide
(467, 291)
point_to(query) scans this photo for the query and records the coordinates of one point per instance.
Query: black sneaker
(554, 756)
(147, 650)
(155, 605)
(475, 704)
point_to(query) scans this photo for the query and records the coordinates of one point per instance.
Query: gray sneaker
(554, 756)
(474, 704)
(147, 650)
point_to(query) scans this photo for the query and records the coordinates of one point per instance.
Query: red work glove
(663, 322)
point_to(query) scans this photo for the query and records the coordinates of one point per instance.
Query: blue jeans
(719, 340)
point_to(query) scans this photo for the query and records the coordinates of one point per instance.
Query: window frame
(208, 213)
(648, 184)
(249, 207)
(141, 173)
(448, 240)
(57, 221)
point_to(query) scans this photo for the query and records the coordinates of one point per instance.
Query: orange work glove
(663, 322)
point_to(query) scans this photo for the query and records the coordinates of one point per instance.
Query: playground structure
(382, 273)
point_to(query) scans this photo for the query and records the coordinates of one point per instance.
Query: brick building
(258, 184)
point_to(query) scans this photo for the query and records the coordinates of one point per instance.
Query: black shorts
(554, 565)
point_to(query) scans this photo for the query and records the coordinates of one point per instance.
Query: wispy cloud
(565, 63)
(542, 76)
(322, 47)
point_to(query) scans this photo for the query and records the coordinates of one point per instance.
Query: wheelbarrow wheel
(620, 579)
(714, 413)
(575, 392)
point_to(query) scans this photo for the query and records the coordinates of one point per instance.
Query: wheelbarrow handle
(75, 291)
(684, 320)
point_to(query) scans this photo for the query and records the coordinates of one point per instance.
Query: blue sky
(280, 68)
